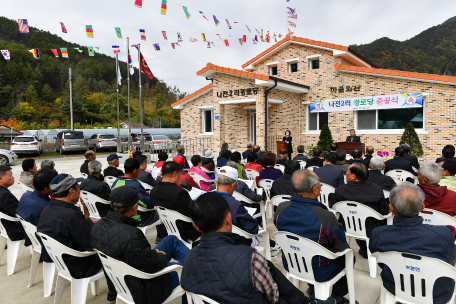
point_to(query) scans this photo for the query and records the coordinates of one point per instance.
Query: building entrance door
(252, 126)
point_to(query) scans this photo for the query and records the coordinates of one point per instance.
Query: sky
(341, 22)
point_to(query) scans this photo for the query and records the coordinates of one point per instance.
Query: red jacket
(254, 166)
(186, 177)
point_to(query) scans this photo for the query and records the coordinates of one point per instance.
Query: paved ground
(14, 288)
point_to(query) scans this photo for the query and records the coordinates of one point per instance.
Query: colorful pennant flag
(130, 65)
(79, 50)
(203, 15)
(179, 37)
(241, 41)
(97, 48)
(280, 35)
(135, 46)
(204, 36)
(178, 44)
(157, 47)
(163, 7)
(56, 54)
(138, 3)
(164, 35)
(212, 43)
(187, 14)
(143, 34)
(6, 54)
(23, 26)
(64, 30)
(116, 49)
(248, 28)
(216, 21)
(226, 42)
(118, 32)
(193, 39)
(268, 38)
(275, 37)
(229, 25)
(64, 52)
(173, 45)
(244, 38)
(292, 24)
(89, 31)
(290, 33)
(255, 40)
(219, 36)
(292, 13)
(208, 44)
(35, 53)
(91, 51)
(145, 67)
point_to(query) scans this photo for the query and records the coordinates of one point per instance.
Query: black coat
(8, 206)
(100, 189)
(147, 178)
(314, 161)
(288, 139)
(85, 169)
(246, 153)
(384, 182)
(439, 160)
(355, 139)
(362, 161)
(330, 175)
(282, 186)
(113, 171)
(301, 157)
(173, 197)
(400, 164)
(117, 236)
(413, 160)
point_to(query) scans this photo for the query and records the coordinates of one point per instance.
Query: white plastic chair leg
(79, 289)
(48, 278)
(269, 210)
(350, 277)
(372, 264)
(11, 255)
(322, 290)
(35, 261)
(2, 246)
(94, 286)
(58, 289)
(386, 297)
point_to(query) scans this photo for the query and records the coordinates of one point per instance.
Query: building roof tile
(213, 67)
(191, 95)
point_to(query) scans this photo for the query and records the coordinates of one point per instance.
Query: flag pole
(128, 95)
(140, 102)
(118, 112)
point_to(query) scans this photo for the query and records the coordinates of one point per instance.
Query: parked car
(26, 144)
(161, 143)
(70, 141)
(136, 138)
(7, 157)
(103, 142)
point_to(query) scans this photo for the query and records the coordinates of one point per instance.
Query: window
(208, 121)
(316, 120)
(390, 119)
(273, 70)
(293, 67)
(315, 64)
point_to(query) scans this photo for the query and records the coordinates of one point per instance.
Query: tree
(325, 139)
(13, 123)
(410, 137)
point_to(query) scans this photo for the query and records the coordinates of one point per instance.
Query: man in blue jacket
(320, 226)
(409, 234)
(329, 174)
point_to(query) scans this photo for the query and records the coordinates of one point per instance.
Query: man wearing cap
(185, 178)
(117, 236)
(168, 195)
(62, 221)
(113, 162)
(208, 160)
(93, 185)
(130, 179)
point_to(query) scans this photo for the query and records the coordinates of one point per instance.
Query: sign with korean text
(385, 102)
(240, 92)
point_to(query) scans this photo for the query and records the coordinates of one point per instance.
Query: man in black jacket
(447, 153)
(398, 162)
(113, 163)
(353, 137)
(300, 155)
(329, 174)
(9, 203)
(144, 176)
(359, 190)
(117, 236)
(249, 149)
(257, 150)
(315, 161)
(357, 155)
(89, 156)
(282, 185)
(93, 185)
(167, 194)
(412, 159)
(376, 176)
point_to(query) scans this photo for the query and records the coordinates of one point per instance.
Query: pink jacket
(205, 186)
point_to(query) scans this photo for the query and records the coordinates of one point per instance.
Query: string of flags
(291, 13)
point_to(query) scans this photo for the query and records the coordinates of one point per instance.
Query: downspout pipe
(266, 94)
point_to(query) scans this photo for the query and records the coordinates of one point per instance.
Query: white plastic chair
(169, 218)
(207, 171)
(414, 169)
(280, 167)
(24, 188)
(144, 228)
(299, 251)
(355, 215)
(245, 199)
(386, 193)
(266, 249)
(110, 180)
(13, 246)
(84, 175)
(146, 186)
(90, 200)
(198, 178)
(311, 168)
(252, 175)
(434, 217)
(402, 175)
(266, 184)
(48, 268)
(278, 199)
(302, 163)
(325, 191)
(79, 287)
(193, 298)
(117, 271)
(411, 272)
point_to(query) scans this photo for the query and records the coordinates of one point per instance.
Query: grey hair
(407, 199)
(231, 164)
(406, 147)
(47, 164)
(302, 181)
(110, 162)
(249, 144)
(224, 180)
(376, 163)
(94, 167)
(432, 171)
(180, 149)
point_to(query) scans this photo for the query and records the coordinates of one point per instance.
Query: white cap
(229, 172)
(209, 154)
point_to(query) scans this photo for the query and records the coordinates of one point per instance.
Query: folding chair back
(434, 217)
(30, 230)
(302, 163)
(311, 168)
(278, 199)
(266, 184)
(110, 180)
(169, 218)
(280, 167)
(193, 298)
(3, 231)
(414, 276)
(90, 200)
(146, 186)
(24, 188)
(198, 178)
(252, 174)
(244, 199)
(266, 249)
(325, 191)
(402, 175)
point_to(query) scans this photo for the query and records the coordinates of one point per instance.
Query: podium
(350, 146)
(281, 145)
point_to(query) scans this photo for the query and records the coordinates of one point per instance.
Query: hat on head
(179, 159)
(113, 156)
(63, 182)
(126, 196)
(209, 154)
(229, 172)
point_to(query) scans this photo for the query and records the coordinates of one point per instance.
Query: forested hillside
(432, 51)
(36, 92)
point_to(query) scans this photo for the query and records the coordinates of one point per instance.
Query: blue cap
(113, 156)
(63, 182)
(125, 195)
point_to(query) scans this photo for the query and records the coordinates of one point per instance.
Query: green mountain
(36, 92)
(432, 51)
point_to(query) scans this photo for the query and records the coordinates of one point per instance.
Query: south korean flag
(6, 54)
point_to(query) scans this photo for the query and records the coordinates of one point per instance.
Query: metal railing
(272, 142)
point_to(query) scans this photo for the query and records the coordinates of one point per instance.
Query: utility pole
(140, 103)
(119, 148)
(71, 102)
(128, 95)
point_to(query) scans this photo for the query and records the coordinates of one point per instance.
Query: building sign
(342, 89)
(241, 92)
(385, 102)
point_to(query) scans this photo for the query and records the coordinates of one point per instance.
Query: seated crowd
(218, 262)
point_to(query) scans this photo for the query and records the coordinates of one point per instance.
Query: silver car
(70, 141)
(103, 142)
(26, 144)
(7, 157)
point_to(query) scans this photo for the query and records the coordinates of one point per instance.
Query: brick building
(295, 74)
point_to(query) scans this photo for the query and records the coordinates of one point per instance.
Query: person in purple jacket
(269, 160)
